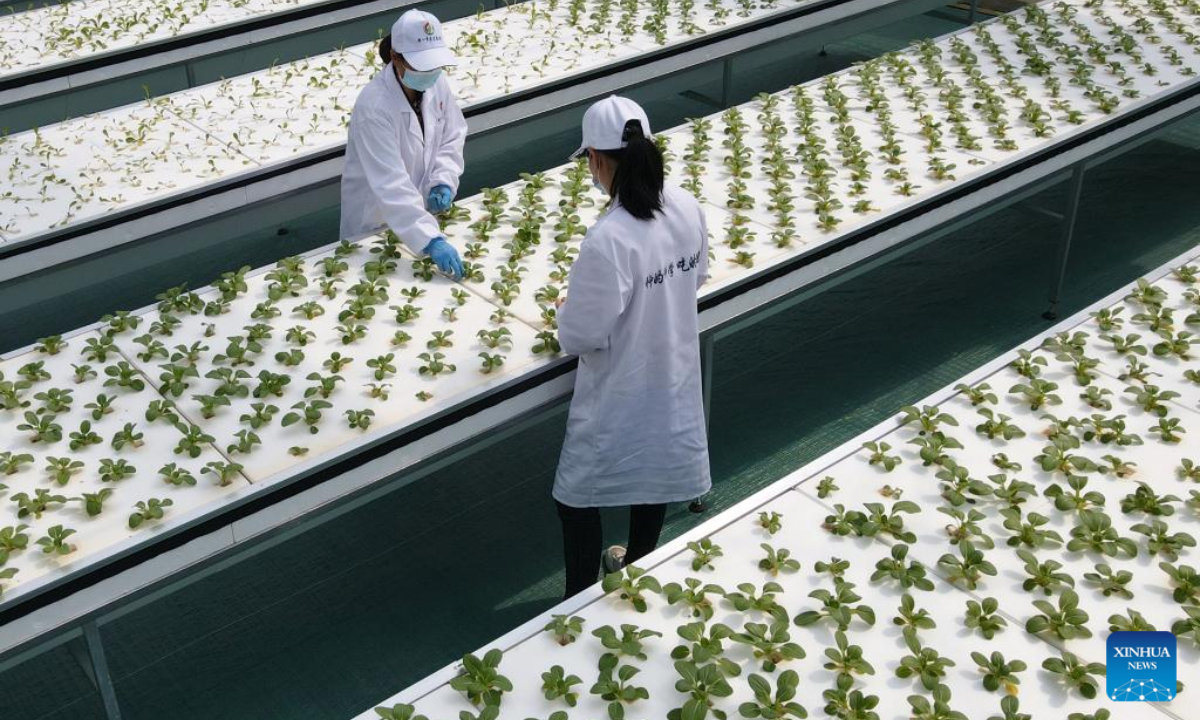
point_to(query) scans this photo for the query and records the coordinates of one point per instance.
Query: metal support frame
(100, 675)
(706, 375)
(973, 12)
(726, 88)
(1070, 215)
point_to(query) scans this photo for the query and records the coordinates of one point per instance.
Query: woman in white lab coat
(635, 432)
(404, 154)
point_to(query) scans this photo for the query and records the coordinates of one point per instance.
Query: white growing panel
(828, 511)
(814, 162)
(302, 107)
(55, 34)
(67, 407)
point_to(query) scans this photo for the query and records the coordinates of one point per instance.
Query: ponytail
(638, 181)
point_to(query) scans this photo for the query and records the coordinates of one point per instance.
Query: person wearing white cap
(404, 154)
(635, 431)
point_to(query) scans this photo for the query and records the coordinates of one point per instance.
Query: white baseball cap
(604, 124)
(417, 36)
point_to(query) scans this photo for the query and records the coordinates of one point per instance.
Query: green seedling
(771, 644)
(777, 561)
(1110, 582)
(923, 663)
(704, 551)
(999, 673)
(628, 642)
(152, 509)
(704, 685)
(564, 629)
(112, 471)
(1075, 673)
(556, 684)
(1044, 576)
(777, 705)
(1095, 533)
(880, 457)
(847, 660)
(177, 476)
(632, 585)
(1066, 621)
(838, 606)
(62, 469)
(693, 594)
(54, 542)
(908, 574)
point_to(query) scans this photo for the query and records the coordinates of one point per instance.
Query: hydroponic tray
(519, 242)
(55, 35)
(293, 111)
(888, 529)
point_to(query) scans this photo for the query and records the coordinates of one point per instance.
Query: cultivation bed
(287, 124)
(886, 520)
(42, 41)
(182, 351)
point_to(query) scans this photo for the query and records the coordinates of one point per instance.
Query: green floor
(336, 619)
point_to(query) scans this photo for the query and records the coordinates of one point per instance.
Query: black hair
(638, 181)
(385, 50)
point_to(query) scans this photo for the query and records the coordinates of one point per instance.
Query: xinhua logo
(1141, 666)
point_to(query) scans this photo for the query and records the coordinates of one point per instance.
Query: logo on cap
(428, 28)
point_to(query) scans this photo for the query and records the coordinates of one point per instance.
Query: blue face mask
(420, 80)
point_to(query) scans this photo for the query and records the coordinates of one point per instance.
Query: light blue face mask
(420, 80)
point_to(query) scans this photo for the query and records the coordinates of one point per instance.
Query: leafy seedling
(704, 685)
(631, 584)
(984, 616)
(704, 551)
(1066, 621)
(1044, 576)
(1075, 673)
(481, 681)
(922, 663)
(773, 705)
(693, 594)
(54, 542)
(998, 672)
(1110, 582)
(880, 457)
(557, 684)
(847, 660)
(628, 642)
(615, 685)
(152, 509)
(771, 644)
(838, 606)
(777, 561)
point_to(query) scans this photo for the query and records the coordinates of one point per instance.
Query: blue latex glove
(445, 257)
(440, 198)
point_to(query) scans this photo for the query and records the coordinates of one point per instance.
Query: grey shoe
(613, 559)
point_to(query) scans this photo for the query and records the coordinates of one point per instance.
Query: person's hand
(439, 199)
(445, 257)
(558, 301)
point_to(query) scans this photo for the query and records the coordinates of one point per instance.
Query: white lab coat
(391, 167)
(636, 432)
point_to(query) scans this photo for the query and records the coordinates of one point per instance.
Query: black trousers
(583, 540)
